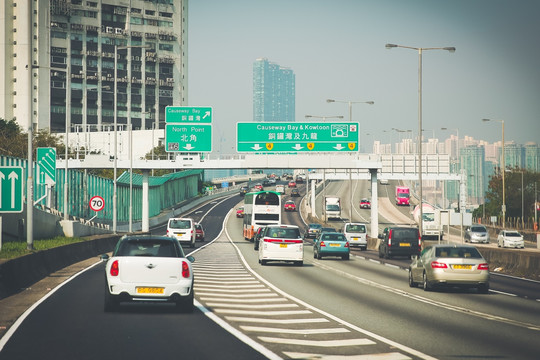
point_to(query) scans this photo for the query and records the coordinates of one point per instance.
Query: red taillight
(390, 238)
(483, 266)
(347, 244)
(185, 270)
(322, 244)
(438, 265)
(115, 269)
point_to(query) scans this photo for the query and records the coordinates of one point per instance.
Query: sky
(337, 51)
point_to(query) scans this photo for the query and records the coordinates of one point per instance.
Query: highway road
(325, 308)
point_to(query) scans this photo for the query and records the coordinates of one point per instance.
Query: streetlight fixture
(324, 117)
(350, 109)
(503, 169)
(420, 50)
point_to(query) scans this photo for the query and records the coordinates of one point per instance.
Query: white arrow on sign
(339, 147)
(13, 177)
(189, 147)
(257, 147)
(206, 114)
(298, 147)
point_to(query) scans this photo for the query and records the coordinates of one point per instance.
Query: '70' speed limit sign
(97, 203)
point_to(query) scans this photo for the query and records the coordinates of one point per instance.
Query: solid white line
(318, 343)
(295, 331)
(276, 321)
(502, 293)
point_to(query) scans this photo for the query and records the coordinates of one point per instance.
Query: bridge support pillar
(313, 194)
(145, 226)
(374, 205)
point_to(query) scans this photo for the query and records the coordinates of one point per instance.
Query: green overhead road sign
(46, 159)
(188, 138)
(11, 189)
(188, 114)
(297, 137)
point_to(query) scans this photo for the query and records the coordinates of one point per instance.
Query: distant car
(148, 268)
(289, 206)
(244, 190)
(199, 232)
(399, 241)
(449, 265)
(272, 181)
(383, 182)
(356, 234)
(510, 238)
(312, 230)
(258, 186)
(331, 244)
(240, 212)
(292, 184)
(477, 233)
(266, 182)
(295, 192)
(365, 204)
(299, 179)
(183, 230)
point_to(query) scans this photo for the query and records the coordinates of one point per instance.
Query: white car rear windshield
(180, 224)
(356, 228)
(148, 248)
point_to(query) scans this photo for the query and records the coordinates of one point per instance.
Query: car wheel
(319, 257)
(345, 257)
(483, 288)
(185, 304)
(111, 303)
(380, 254)
(314, 254)
(426, 285)
(263, 262)
(411, 280)
(298, 263)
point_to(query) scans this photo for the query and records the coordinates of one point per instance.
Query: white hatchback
(183, 230)
(356, 234)
(281, 243)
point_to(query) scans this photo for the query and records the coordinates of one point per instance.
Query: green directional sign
(188, 138)
(46, 160)
(265, 137)
(188, 114)
(11, 189)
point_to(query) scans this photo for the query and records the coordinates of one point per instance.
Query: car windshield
(457, 252)
(283, 233)
(356, 228)
(315, 226)
(428, 216)
(179, 224)
(405, 234)
(333, 237)
(403, 195)
(513, 234)
(478, 229)
(332, 207)
(148, 248)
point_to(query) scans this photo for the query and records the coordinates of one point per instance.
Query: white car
(356, 234)
(183, 230)
(281, 243)
(148, 268)
(510, 238)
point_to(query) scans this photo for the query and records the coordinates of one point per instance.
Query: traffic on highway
(287, 285)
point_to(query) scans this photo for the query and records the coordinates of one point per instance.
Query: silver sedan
(449, 265)
(477, 233)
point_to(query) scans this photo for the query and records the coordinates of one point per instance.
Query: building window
(58, 35)
(166, 47)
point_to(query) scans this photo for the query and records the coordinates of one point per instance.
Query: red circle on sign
(97, 203)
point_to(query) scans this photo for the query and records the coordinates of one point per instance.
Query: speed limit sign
(97, 203)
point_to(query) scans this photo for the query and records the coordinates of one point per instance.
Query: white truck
(431, 225)
(332, 207)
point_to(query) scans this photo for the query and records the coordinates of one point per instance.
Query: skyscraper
(273, 92)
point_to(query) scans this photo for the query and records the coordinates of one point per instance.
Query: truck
(431, 224)
(402, 195)
(332, 207)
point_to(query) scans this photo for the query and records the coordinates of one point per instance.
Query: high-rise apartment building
(273, 92)
(88, 64)
(532, 157)
(472, 161)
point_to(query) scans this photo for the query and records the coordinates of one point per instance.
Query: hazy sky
(337, 50)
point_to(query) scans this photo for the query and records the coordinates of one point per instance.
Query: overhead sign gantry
(188, 129)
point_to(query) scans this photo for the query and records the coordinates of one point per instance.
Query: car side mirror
(191, 259)
(104, 257)
(380, 236)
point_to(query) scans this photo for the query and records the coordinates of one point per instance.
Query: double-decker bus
(261, 208)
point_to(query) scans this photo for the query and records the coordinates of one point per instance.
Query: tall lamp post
(420, 50)
(350, 109)
(503, 169)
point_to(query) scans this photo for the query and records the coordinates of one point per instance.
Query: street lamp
(420, 50)
(503, 169)
(350, 109)
(324, 117)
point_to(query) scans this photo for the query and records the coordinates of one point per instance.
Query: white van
(281, 243)
(356, 234)
(183, 230)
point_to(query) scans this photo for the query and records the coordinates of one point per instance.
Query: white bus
(261, 208)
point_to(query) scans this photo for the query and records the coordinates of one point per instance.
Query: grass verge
(14, 249)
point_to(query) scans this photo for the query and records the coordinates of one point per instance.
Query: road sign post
(11, 189)
(297, 137)
(188, 129)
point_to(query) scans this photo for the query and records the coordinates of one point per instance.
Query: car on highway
(295, 192)
(289, 205)
(510, 238)
(299, 179)
(449, 265)
(399, 241)
(365, 204)
(240, 212)
(476, 234)
(151, 269)
(257, 238)
(383, 181)
(258, 187)
(199, 232)
(331, 244)
(292, 184)
(272, 181)
(244, 190)
(281, 243)
(183, 230)
(312, 230)
(356, 234)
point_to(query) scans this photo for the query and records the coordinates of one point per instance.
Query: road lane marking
(295, 331)
(317, 343)
(260, 300)
(254, 295)
(267, 313)
(251, 306)
(385, 356)
(276, 321)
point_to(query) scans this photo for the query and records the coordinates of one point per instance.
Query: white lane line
(260, 300)
(502, 292)
(263, 313)
(317, 343)
(295, 331)
(381, 356)
(228, 290)
(243, 296)
(252, 306)
(206, 281)
(275, 321)
(221, 275)
(230, 286)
